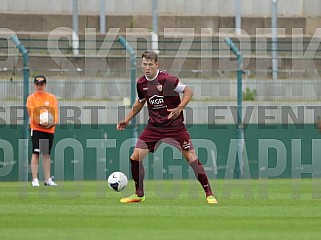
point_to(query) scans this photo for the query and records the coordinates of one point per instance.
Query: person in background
(43, 112)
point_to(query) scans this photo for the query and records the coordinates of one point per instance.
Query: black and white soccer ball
(45, 118)
(117, 181)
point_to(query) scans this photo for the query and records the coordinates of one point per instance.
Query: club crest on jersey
(159, 87)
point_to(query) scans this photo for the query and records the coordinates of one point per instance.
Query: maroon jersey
(160, 96)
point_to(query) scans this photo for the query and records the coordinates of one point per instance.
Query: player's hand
(122, 125)
(50, 125)
(174, 113)
(47, 125)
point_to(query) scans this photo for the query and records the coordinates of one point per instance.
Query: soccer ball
(45, 117)
(117, 181)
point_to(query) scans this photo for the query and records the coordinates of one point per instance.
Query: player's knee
(190, 155)
(135, 155)
(139, 154)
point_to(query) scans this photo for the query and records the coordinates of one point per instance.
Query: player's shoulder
(31, 96)
(142, 79)
(163, 74)
(51, 96)
(166, 77)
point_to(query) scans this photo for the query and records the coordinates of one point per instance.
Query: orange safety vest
(38, 103)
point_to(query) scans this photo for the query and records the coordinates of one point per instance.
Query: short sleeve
(180, 87)
(29, 104)
(140, 93)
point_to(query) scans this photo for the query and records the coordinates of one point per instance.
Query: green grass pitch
(247, 209)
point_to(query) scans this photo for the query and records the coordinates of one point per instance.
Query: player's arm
(29, 106)
(54, 112)
(137, 107)
(54, 120)
(48, 125)
(187, 96)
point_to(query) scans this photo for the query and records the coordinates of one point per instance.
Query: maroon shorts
(151, 138)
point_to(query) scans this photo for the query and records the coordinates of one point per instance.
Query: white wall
(176, 7)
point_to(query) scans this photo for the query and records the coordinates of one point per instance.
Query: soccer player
(161, 91)
(42, 133)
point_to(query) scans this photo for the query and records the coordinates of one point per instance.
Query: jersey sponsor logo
(157, 102)
(46, 103)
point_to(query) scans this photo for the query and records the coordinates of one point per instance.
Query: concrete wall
(34, 23)
(166, 7)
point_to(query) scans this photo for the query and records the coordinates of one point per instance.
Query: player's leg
(182, 140)
(198, 169)
(34, 169)
(45, 147)
(46, 169)
(46, 166)
(137, 168)
(145, 144)
(200, 174)
(138, 174)
(34, 163)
